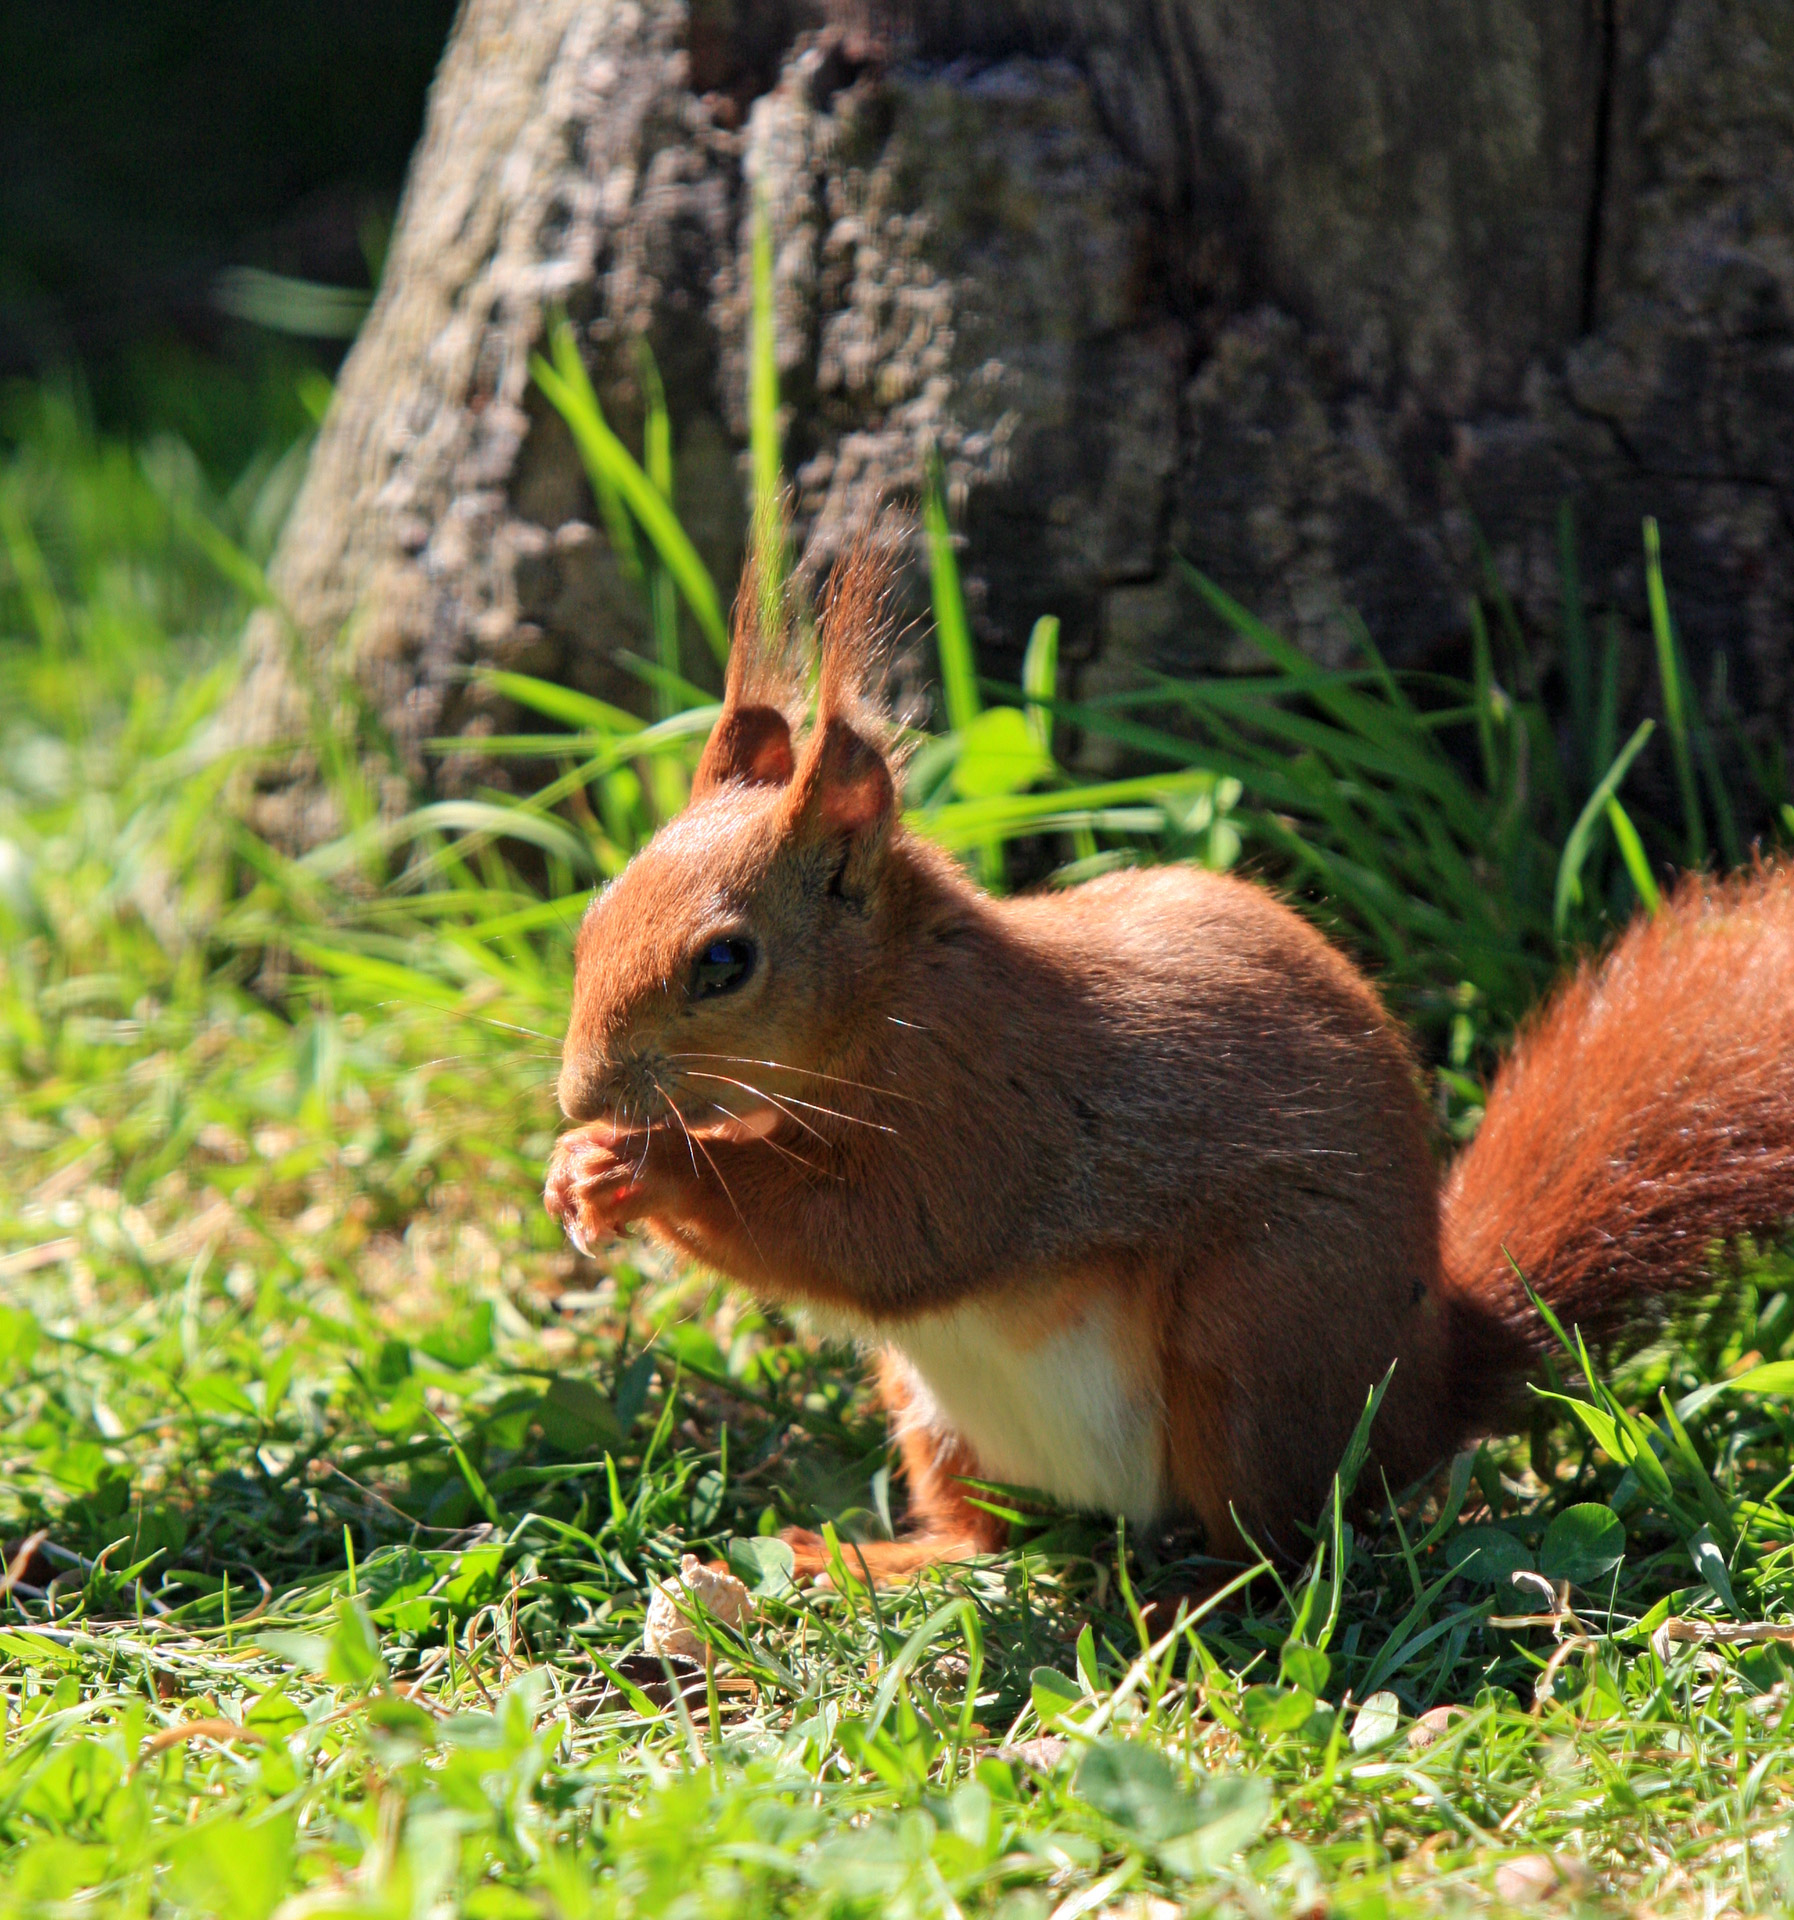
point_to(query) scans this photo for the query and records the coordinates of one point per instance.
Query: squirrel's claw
(593, 1189)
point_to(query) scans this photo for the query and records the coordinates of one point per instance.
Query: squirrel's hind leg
(882, 1563)
(947, 1525)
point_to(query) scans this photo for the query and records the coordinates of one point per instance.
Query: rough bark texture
(1308, 291)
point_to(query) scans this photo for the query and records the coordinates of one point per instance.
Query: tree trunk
(1318, 294)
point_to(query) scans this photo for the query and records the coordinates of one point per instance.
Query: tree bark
(1326, 296)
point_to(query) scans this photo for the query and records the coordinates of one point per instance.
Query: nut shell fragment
(668, 1631)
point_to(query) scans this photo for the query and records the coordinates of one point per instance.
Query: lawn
(336, 1488)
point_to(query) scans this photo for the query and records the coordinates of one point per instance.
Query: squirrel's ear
(750, 744)
(844, 787)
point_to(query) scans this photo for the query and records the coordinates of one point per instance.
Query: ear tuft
(843, 785)
(751, 741)
(856, 631)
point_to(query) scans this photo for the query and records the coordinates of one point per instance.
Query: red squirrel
(1129, 1188)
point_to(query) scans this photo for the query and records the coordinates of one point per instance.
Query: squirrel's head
(740, 946)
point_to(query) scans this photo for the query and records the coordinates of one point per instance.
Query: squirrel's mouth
(713, 1106)
(734, 1127)
(638, 1095)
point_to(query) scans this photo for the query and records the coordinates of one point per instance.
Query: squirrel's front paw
(598, 1181)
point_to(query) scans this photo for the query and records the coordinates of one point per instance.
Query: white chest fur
(1061, 1411)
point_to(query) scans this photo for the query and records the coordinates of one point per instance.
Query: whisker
(834, 1113)
(623, 1127)
(673, 1109)
(507, 1026)
(720, 1181)
(760, 1093)
(473, 1019)
(532, 1096)
(765, 1140)
(814, 1073)
(463, 1059)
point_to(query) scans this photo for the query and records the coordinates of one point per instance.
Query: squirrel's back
(1218, 976)
(1233, 1045)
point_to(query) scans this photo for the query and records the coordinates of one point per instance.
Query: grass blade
(1607, 707)
(607, 460)
(764, 438)
(1040, 680)
(1632, 852)
(1569, 867)
(573, 709)
(657, 460)
(1675, 711)
(953, 644)
(952, 630)
(1484, 697)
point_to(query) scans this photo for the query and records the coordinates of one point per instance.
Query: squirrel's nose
(596, 1083)
(584, 1088)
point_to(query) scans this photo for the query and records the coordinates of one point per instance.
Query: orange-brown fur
(952, 1526)
(1157, 1118)
(1645, 1114)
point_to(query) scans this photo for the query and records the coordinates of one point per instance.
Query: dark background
(145, 148)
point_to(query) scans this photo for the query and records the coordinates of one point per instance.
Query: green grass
(318, 1433)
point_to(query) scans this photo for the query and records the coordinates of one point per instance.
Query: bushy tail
(1645, 1116)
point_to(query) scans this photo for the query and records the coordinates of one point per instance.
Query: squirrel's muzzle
(594, 1086)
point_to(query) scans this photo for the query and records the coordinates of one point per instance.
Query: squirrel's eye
(721, 967)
